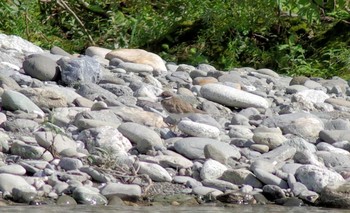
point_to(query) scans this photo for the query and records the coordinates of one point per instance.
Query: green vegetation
(302, 37)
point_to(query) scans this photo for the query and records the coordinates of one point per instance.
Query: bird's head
(166, 95)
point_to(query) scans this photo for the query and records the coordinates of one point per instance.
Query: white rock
(155, 172)
(17, 43)
(14, 169)
(313, 96)
(316, 178)
(212, 169)
(198, 129)
(232, 97)
(121, 190)
(9, 181)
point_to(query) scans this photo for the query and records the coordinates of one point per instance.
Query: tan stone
(139, 56)
(204, 80)
(129, 114)
(45, 97)
(338, 102)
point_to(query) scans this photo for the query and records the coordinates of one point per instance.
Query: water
(169, 209)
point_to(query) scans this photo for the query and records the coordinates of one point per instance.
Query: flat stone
(203, 190)
(144, 137)
(232, 97)
(198, 129)
(14, 169)
(13, 100)
(155, 172)
(270, 179)
(124, 191)
(193, 147)
(219, 184)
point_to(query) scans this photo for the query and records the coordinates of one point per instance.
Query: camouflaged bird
(173, 104)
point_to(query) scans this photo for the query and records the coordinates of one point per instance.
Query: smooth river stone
(198, 129)
(138, 56)
(13, 100)
(155, 172)
(41, 66)
(212, 169)
(124, 191)
(144, 137)
(232, 97)
(9, 181)
(332, 136)
(193, 147)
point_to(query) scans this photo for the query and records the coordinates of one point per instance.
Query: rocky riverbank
(90, 129)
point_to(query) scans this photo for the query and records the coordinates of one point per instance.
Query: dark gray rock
(42, 67)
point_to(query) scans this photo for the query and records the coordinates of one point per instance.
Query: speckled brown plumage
(176, 105)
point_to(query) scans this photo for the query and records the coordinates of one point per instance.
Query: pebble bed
(90, 129)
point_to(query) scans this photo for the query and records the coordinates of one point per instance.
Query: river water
(170, 209)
